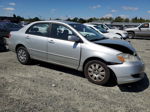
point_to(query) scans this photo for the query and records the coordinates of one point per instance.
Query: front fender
(108, 55)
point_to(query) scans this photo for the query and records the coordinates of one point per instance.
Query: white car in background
(123, 34)
(104, 32)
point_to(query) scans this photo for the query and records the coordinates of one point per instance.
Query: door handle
(51, 41)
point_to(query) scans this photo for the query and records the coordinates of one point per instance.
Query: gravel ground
(43, 87)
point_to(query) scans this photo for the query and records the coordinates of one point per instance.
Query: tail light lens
(8, 36)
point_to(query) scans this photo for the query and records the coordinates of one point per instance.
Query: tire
(97, 72)
(131, 35)
(23, 56)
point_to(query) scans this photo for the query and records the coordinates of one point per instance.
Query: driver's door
(60, 49)
(144, 30)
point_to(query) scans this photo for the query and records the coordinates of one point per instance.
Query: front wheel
(23, 55)
(131, 35)
(97, 72)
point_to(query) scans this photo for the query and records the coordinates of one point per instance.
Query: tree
(119, 19)
(134, 20)
(14, 16)
(33, 19)
(106, 19)
(68, 19)
(81, 20)
(90, 20)
(18, 19)
(127, 20)
(75, 19)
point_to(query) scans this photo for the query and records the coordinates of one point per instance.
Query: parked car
(2, 44)
(79, 47)
(104, 32)
(123, 34)
(5, 29)
(141, 30)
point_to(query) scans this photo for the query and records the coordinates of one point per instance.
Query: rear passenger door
(37, 40)
(60, 49)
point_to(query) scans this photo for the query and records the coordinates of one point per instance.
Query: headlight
(125, 34)
(116, 38)
(123, 57)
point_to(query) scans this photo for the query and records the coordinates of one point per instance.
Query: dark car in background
(5, 29)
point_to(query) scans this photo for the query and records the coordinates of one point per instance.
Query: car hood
(116, 31)
(119, 45)
(112, 35)
(129, 29)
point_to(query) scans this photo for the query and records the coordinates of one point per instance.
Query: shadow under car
(136, 86)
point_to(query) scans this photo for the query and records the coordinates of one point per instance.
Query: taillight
(8, 35)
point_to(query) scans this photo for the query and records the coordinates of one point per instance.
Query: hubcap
(96, 72)
(130, 35)
(22, 55)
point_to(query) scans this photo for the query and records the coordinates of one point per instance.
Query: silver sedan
(79, 47)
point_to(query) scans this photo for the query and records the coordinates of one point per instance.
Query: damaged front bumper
(128, 72)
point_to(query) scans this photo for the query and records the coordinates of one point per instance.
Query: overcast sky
(75, 8)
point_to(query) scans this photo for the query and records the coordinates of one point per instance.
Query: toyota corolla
(79, 47)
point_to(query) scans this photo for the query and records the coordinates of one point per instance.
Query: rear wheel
(23, 55)
(131, 35)
(97, 72)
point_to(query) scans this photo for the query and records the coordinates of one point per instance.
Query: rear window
(40, 29)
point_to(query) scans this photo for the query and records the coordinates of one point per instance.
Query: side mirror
(140, 28)
(74, 39)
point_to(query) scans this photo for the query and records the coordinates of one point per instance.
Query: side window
(41, 29)
(146, 25)
(105, 27)
(91, 27)
(102, 26)
(60, 32)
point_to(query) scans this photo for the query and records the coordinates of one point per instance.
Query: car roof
(49, 21)
(89, 24)
(58, 21)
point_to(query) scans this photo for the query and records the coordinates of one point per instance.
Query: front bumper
(125, 36)
(128, 72)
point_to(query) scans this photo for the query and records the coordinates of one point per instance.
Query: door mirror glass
(74, 38)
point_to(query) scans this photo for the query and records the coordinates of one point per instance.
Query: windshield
(88, 32)
(109, 26)
(101, 29)
(102, 26)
